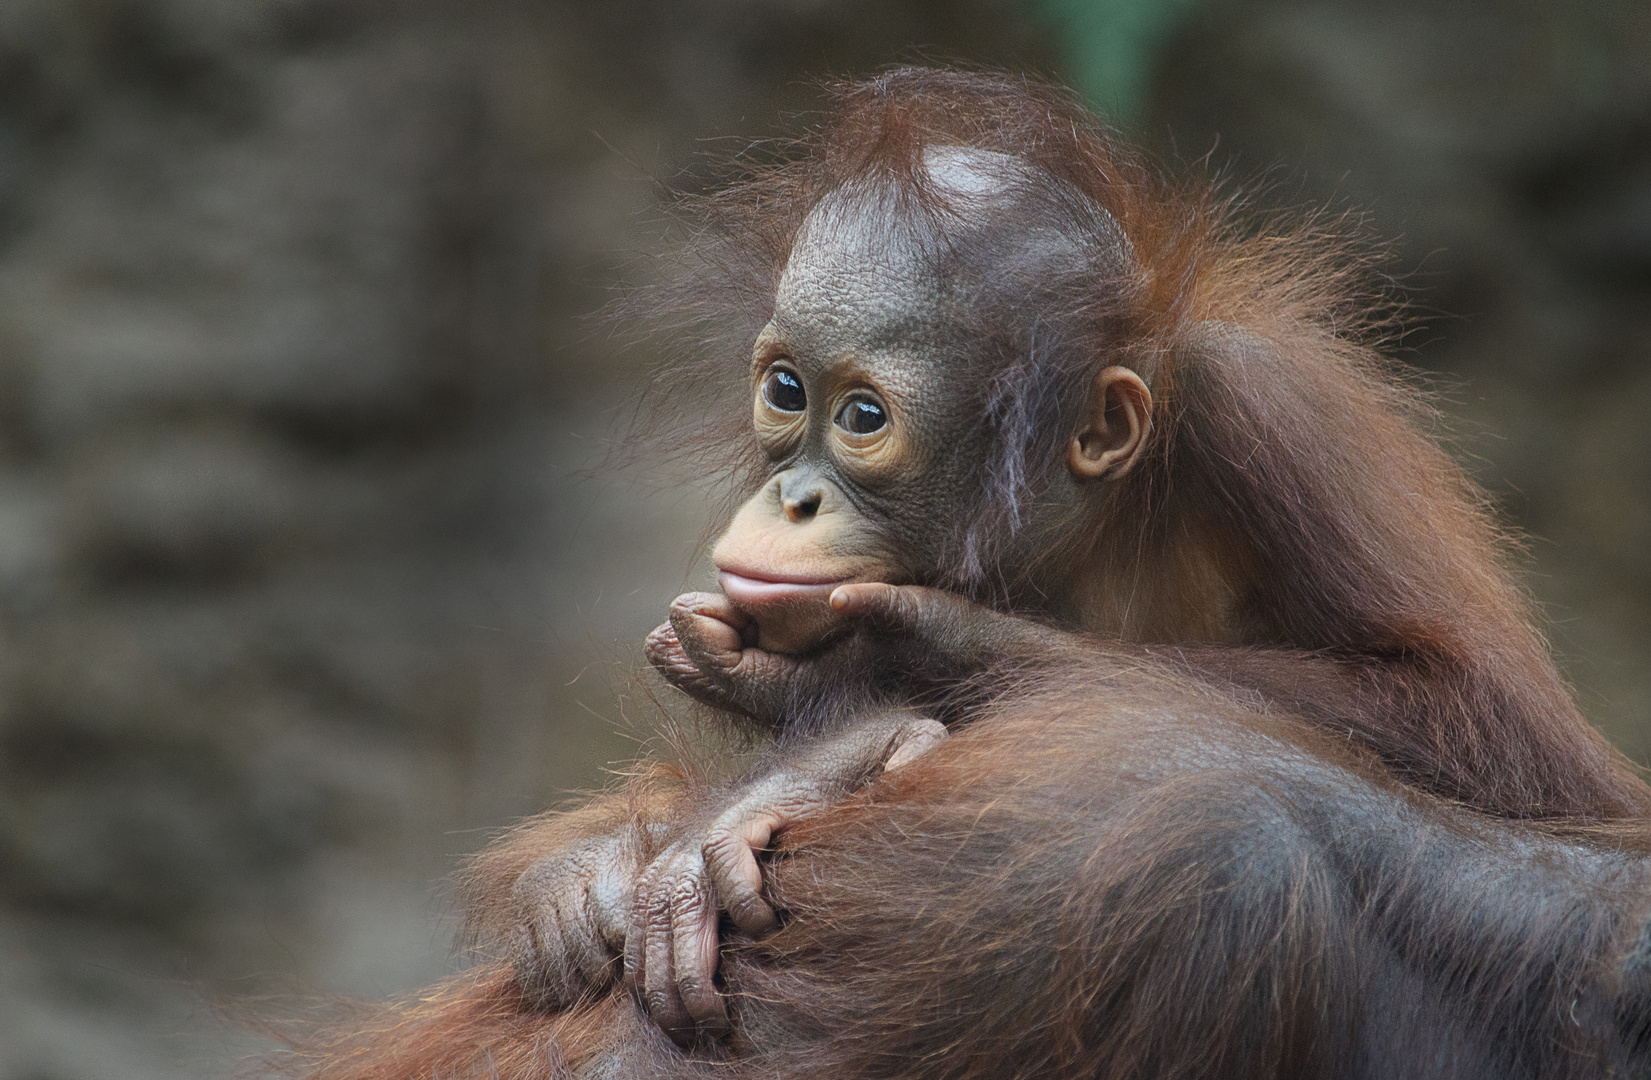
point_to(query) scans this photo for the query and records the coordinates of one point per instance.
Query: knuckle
(539, 935)
(811, 797)
(687, 894)
(683, 627)
(721, 845)
(659, 915)
(662, 646)
(654, 908)
(682, 860)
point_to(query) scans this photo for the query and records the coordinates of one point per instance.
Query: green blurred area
(304, 584)
(1107, 47)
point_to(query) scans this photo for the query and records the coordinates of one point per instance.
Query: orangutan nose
(800, 507)
(801, 493)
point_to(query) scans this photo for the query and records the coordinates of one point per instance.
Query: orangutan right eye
(862, 416)
(783, 390)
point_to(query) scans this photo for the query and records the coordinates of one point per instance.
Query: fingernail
(839, 600)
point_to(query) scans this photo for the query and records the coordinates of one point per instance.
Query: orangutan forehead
(885, 269)
(855, 283)
(908, 233)
(983, 240)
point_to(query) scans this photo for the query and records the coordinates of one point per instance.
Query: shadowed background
(301, 589)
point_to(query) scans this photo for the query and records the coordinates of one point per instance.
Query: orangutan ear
(1115, 428)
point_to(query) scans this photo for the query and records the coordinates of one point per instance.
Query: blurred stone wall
(301, 587)
(301, 591)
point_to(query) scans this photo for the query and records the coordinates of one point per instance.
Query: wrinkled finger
(917, 739)
(907, 607)
(731, 862)
(665, 652)
(694, 952)
(659, 992)
(538, 953)
(953, 627)
(708, 628)
(636, 928)
(711, 605)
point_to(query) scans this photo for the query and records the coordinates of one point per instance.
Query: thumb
(913, 609)
(954, 627)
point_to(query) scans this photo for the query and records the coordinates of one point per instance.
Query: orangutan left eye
(861, 416)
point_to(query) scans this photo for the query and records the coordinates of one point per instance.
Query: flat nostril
(802, 508)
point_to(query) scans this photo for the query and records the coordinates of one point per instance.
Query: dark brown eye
(862, 416)
(784, 391)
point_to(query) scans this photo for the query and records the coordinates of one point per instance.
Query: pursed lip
(753, 588)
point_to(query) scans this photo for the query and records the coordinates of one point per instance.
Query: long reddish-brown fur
(1373, 703)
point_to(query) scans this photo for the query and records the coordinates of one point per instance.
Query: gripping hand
(672, 941)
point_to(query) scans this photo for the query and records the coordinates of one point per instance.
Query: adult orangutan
(1258, 766)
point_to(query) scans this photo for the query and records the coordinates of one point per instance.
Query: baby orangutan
(1148, 694)
(954, 397)
(862, 400)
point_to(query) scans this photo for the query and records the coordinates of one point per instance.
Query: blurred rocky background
(304, 586)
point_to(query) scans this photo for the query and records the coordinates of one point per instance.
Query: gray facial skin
(861, 309)
(887, 301)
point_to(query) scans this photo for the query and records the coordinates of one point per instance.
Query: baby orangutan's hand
(706, 649)
(671, 945)
(572, 909)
